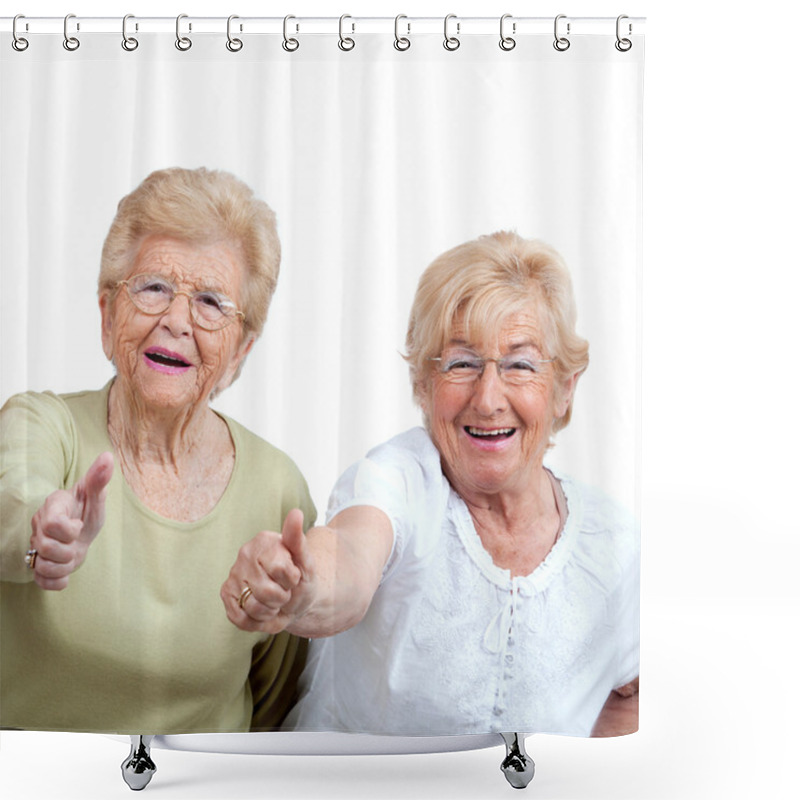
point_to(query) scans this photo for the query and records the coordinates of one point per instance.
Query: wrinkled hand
(279, 571)
(67, 523)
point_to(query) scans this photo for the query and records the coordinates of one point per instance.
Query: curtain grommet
(233, 44)
(623, 44)
(507, 42)
(401, 43)
(346, 43)
(183, 43)
(289, 44)
(129, 43)
(451, 43)
(561, 43)
(70, 43)
(19, 43)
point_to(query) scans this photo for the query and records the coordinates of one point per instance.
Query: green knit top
(139, 641)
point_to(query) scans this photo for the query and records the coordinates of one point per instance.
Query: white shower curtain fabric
(376, 161)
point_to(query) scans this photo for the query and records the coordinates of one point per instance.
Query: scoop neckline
(154, 515)
(553, 562)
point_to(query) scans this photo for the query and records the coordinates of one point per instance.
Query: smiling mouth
(490, 435)
(157, 357)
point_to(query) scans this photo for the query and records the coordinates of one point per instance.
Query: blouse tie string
(499, 628)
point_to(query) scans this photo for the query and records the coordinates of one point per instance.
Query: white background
(375, 161)
(720, 601)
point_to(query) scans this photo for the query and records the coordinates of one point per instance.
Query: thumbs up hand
(67, 523)
(272, 582)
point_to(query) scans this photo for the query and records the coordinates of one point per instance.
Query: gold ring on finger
(244, 595)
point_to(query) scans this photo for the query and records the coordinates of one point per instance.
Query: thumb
(90, 491)
(294, 540)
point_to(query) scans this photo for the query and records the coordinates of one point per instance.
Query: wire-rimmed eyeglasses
(464, 366)
(154, 294)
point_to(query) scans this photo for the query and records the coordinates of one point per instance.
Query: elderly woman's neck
(165, 436)
(517, 528)
(513, 505)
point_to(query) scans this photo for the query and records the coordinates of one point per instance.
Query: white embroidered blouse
(452, 644)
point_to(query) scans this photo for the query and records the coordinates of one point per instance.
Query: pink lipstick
(163, 360)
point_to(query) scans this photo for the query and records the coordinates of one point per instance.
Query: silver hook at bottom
(517, 766)
(138, 768)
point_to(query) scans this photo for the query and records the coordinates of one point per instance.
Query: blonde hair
(203, 206)
(483, 282)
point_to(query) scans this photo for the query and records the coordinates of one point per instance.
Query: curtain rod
(623, 26)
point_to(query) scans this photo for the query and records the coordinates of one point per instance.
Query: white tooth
(499, 432)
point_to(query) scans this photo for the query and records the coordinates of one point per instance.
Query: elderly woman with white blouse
(470, 588)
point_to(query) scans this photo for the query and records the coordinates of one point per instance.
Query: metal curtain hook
(129, 43)
(506, 42)
(345, 42)
(561, 43)
(623, 45)
(18, 42)
(182, 42)
(70, 42)
(401, 42)
(234, 45)
(451, 42)
(289, 44)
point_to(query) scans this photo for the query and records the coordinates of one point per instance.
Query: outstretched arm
(312, 585)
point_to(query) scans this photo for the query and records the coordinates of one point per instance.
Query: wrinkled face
(166, 360)
(492, 431)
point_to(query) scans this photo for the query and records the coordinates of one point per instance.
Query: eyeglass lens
(517, 368)
(154, 294)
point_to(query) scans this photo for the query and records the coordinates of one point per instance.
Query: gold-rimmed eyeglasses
(154, 294)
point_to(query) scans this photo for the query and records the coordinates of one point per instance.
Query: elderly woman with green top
(122, 508)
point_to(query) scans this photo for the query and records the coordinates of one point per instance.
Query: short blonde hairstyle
(483, 282)
(203, 206)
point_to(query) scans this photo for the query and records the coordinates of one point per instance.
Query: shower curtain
(380, 144)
